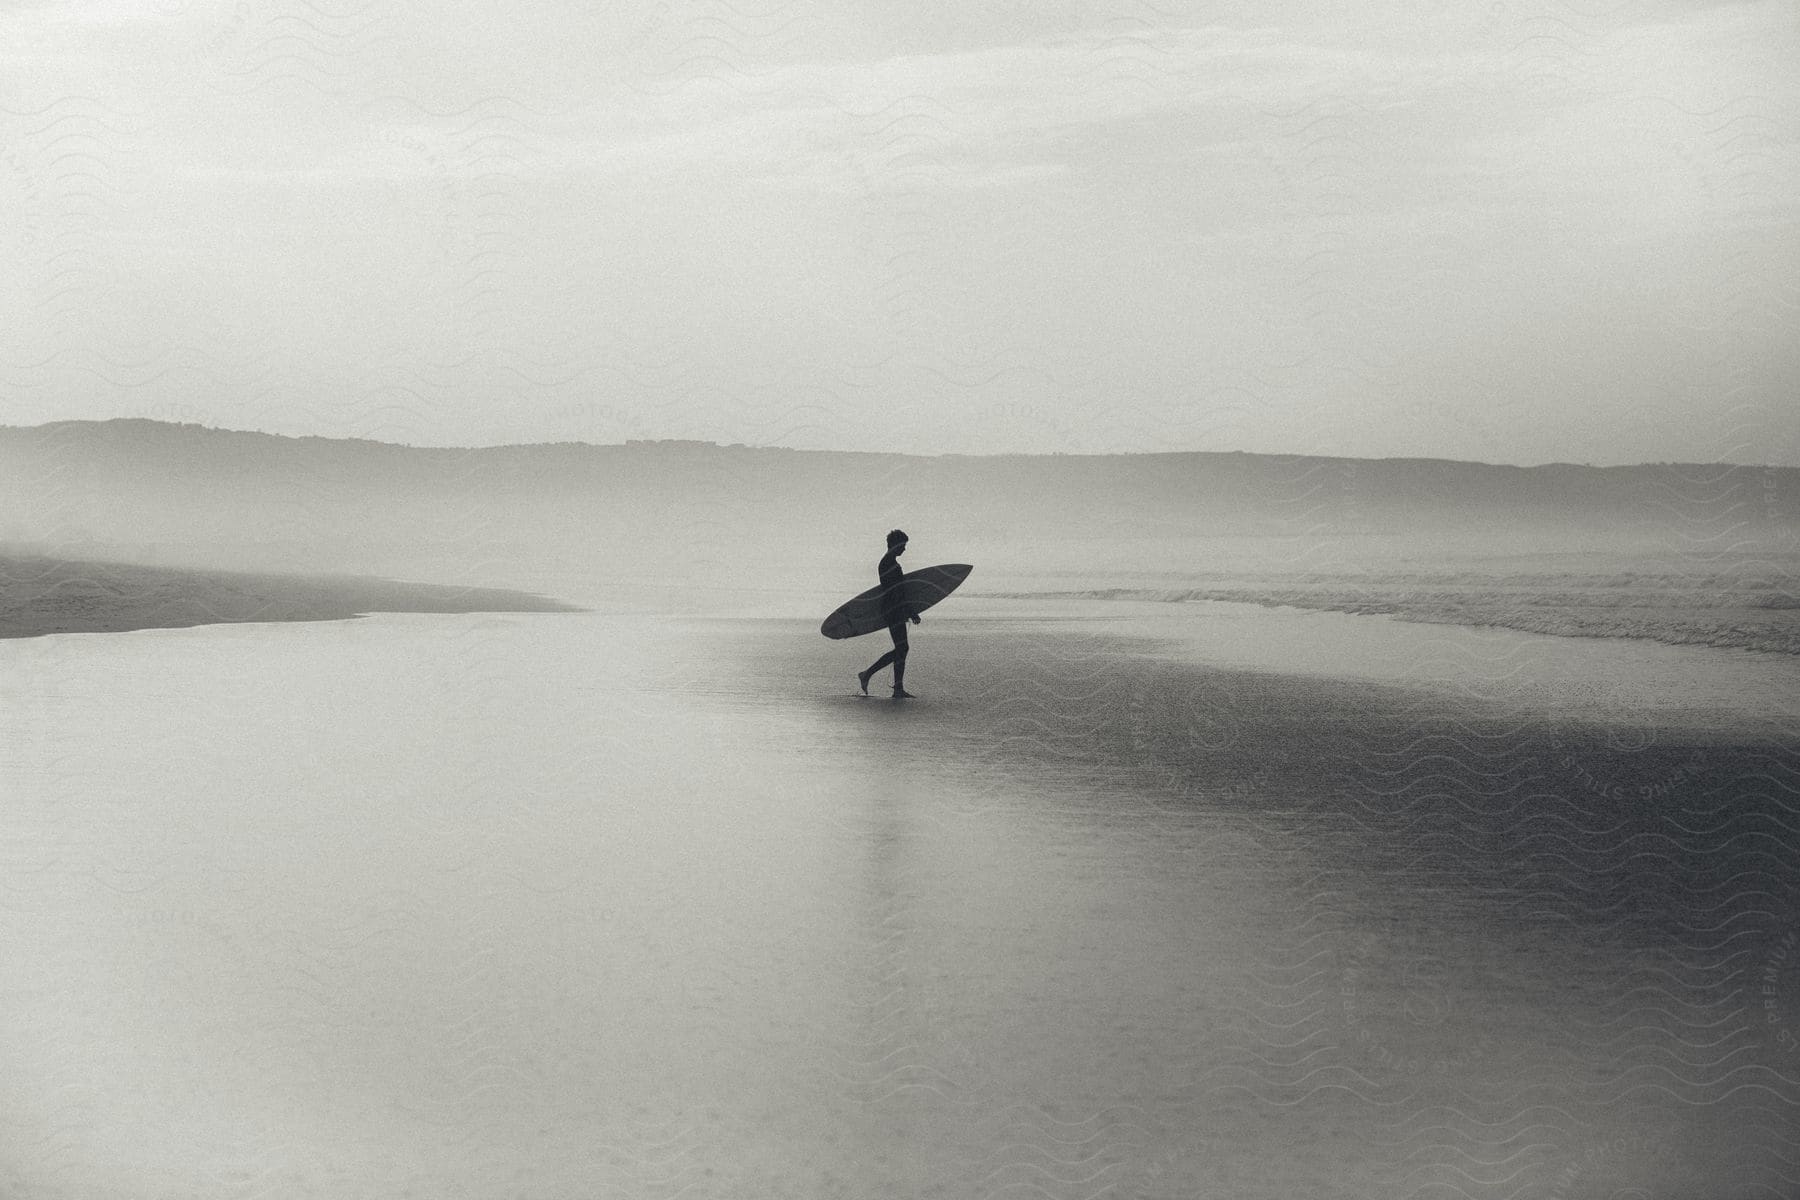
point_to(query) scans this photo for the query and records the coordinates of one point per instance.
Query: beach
(1197, 900)
(41, 594)
(1357, 756)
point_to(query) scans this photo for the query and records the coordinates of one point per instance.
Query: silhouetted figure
(894, 610)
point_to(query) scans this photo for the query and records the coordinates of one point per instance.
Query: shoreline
(1772, 628)
(42, 595)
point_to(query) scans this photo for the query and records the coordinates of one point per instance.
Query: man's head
(896, 541)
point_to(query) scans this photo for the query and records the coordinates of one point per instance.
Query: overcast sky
(1510, 231)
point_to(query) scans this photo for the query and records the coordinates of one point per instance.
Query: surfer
(894, 611)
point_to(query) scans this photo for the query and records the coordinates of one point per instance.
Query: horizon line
(701, 442)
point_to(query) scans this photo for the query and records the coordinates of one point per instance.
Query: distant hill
(696, 514)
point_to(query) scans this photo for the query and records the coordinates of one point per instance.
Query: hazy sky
(1510, 231)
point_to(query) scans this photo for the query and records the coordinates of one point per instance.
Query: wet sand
(620, 904)
(1494, 944)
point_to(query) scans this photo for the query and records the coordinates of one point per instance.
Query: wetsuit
(895, 613)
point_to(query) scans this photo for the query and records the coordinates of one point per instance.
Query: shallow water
(610, 903)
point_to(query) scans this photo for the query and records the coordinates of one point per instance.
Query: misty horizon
(720, 445)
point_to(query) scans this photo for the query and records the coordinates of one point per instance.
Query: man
(895, 613)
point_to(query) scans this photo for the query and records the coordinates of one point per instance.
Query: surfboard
(919, 591)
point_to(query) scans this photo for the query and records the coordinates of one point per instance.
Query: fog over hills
(576, 516)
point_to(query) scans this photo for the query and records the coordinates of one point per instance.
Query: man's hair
(896, 537)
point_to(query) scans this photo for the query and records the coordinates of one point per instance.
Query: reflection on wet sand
(626, 903)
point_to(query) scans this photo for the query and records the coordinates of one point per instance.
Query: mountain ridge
(561, 515)
(150, 423)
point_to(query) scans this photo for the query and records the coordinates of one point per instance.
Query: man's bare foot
(903, 694)
(862, 677)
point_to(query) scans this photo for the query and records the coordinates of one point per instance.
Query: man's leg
(899, 653)
(897, 656)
